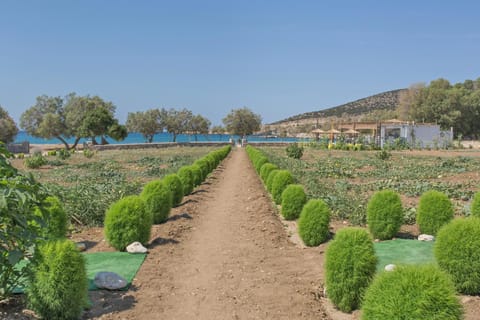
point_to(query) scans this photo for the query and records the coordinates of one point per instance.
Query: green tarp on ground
(123, 263)
(403, 251)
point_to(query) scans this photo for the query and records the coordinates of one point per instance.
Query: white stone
(109, 280)
(426, 237)
(136, 247)
(81, 246)
(389, 267)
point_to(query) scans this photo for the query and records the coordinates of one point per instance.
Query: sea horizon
(163, 137)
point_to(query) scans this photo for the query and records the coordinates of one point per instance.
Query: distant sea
(160, 137)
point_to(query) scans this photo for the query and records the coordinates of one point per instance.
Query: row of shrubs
(409, 292)
(130, 218)
(313, 215)
(58, 283)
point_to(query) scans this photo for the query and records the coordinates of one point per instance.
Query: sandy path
(231, 259)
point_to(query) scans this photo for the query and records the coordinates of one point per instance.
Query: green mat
(402, 251)
(123, 263)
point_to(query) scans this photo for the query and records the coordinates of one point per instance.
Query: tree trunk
(94, 142)
(174, 136)
(77, 139)
(103, 141)
(65, 143)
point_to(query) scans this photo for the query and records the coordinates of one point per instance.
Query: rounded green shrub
(411, 292)
(197, 174)
(127, 221)
(350, 264)
(204, 167)
(457, 251)
(434, 211)
(259, 162)
(265, 170)
(293, 200)
(282, 179)
(158, 200)
(270, 178)
(384, 214)
(173, 182)
(475, 206)
(186, 176)
(58, 284)
(212, 163)
(314, 222)
(55, 218)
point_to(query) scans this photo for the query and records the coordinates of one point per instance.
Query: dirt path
(223, 255)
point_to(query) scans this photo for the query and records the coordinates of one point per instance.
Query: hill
(383, 101)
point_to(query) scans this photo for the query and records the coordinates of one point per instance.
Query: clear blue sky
(279, 58)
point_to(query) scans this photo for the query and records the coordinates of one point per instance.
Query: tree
(46, 119)
(148, 123)
(176, 121)
(198, 125)
(242, 122)
(72, 116)
(8, 128)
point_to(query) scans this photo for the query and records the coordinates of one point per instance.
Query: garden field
(225, 252)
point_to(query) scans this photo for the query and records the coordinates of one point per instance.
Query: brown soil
(225, 253)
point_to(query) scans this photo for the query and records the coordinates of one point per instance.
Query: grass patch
(402, 251)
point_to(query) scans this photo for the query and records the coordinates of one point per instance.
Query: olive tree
(176, 121)
(148, 123)
(242, 122)
(8, 128)
(198, 125)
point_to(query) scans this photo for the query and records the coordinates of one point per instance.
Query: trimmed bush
(58, 285)
(350, 267)
(204, 167)
(259, 162)
(475, 206)
(127, 221)
(197, 175)
(186, 176)
(457, 251)
(412, 292)
(176, 187)
(158, 200)
(282, 179)
(314, 222)
(265, 171)
(293, 200)
(55, 218)
(212, 163)
(384, 214)
(434, 211)
(270, 178)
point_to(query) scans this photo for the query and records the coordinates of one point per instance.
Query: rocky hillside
(382, 101)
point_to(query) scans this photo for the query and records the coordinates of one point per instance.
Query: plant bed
(403, 251)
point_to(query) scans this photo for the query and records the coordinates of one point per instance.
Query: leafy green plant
(294, 151)
(265, 170)
(457, 251)
(158, 200)
(434, 211)
(87, 153)
(475, 205)
(384, 154)
(58, 288)
(52, 212)
(350, 267)
(384, 214)
(186, 176)
(314, 222)
(63, 154)
(19, 225)
(270, 178)
(35, 161)
(412, 292)
(259, 162)
(127, 221)
(282, 179)
(197, 174)
(176, 187)
(293, 200)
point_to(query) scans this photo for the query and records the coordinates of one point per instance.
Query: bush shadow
(180, 216)
(106, 302)
(161, 242)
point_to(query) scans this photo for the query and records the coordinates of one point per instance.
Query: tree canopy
(242, 122)
(148, 123)
(72, 116)
(456, 106)
(8, 127)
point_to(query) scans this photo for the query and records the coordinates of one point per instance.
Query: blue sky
(279, 58)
